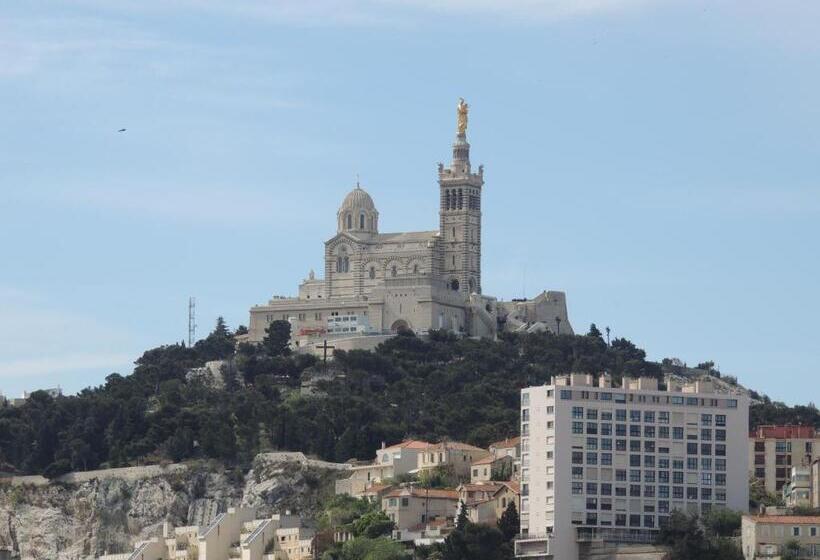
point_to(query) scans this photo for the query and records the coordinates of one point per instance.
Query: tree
(594, 332)
(373, 524)
(684, 536)
(476, 542)
(373, 549)
(277, 338)
(462, 520)
(218, 345)
(509, 524)
(791, 550)
(723, 522)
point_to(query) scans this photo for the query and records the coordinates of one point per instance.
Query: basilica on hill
(376, 284)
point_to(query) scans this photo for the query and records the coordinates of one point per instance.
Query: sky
(657, 161)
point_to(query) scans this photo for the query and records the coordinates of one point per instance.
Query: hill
(438, 387)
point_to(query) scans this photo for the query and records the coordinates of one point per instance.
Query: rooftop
(410, 444)
(444, 445)
(432, 493)
(786, 519)
(786, 431)
(506, 443)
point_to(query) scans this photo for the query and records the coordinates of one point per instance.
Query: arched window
(460, 199)
(415, 269)
(454, 285)
(349, 221)
(339, 264)
(372, 272)
(393, 270)
(346, 264)
(447, 199)
(361, 221)
(472, 285)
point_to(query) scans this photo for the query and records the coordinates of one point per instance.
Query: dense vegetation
(441, 387)
(710, 538)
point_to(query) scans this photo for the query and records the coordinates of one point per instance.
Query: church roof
(406, 236)
(357, 199)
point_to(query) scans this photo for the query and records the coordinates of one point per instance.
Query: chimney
(383, 445)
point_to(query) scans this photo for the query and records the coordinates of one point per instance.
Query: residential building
(511, 447)
(451, 454)
(390, 462)
(774, 450)
(797, 491)
(232, 535)
(491, 467)
(611, 463)
(414, 508)
(764, 536)
(485, 503)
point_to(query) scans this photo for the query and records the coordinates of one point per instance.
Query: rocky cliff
(83, 515)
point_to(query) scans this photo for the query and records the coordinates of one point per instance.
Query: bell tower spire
(460, 213)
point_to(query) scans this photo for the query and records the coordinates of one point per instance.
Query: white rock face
(70, 521)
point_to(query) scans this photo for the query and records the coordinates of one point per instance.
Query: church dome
(358, 199)
(358, 213)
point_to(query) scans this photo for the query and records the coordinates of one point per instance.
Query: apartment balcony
(535, 546)
(615, 535)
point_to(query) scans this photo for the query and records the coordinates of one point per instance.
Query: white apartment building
(610, 463)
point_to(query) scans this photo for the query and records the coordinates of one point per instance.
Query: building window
(372, 272)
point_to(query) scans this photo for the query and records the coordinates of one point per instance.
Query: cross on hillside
(324, 347)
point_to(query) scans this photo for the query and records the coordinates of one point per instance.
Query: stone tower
(460, 214)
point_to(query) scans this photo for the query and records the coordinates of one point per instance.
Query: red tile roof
(454, 445)
(784, 432)
(488, 487)
(513, 485)
(432, 493)
(488, 460)
(506, 443)
(410, 444)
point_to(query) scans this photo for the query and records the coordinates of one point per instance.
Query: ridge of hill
(434, 388)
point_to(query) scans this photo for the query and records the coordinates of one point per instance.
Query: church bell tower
(460, 214)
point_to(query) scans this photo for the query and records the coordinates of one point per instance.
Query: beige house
(765, 535)
(486, 502)
(815, 484)
(414, 508)
(509, 446)
(491, 467)
(774, 450)
(390, 462)
(453, 454)
(294, 543)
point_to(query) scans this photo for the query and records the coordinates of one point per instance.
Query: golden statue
(462, 109)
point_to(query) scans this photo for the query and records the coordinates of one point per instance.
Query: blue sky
(658, 161)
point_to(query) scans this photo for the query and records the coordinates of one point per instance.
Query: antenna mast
(191, 321)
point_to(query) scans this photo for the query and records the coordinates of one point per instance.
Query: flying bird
(121, 130)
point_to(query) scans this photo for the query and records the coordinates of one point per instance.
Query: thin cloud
(211, 207)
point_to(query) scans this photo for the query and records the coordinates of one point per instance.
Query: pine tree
(510, 524)
(277, 338)
(462, 521)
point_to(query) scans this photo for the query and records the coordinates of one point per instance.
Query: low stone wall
(123, 473)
